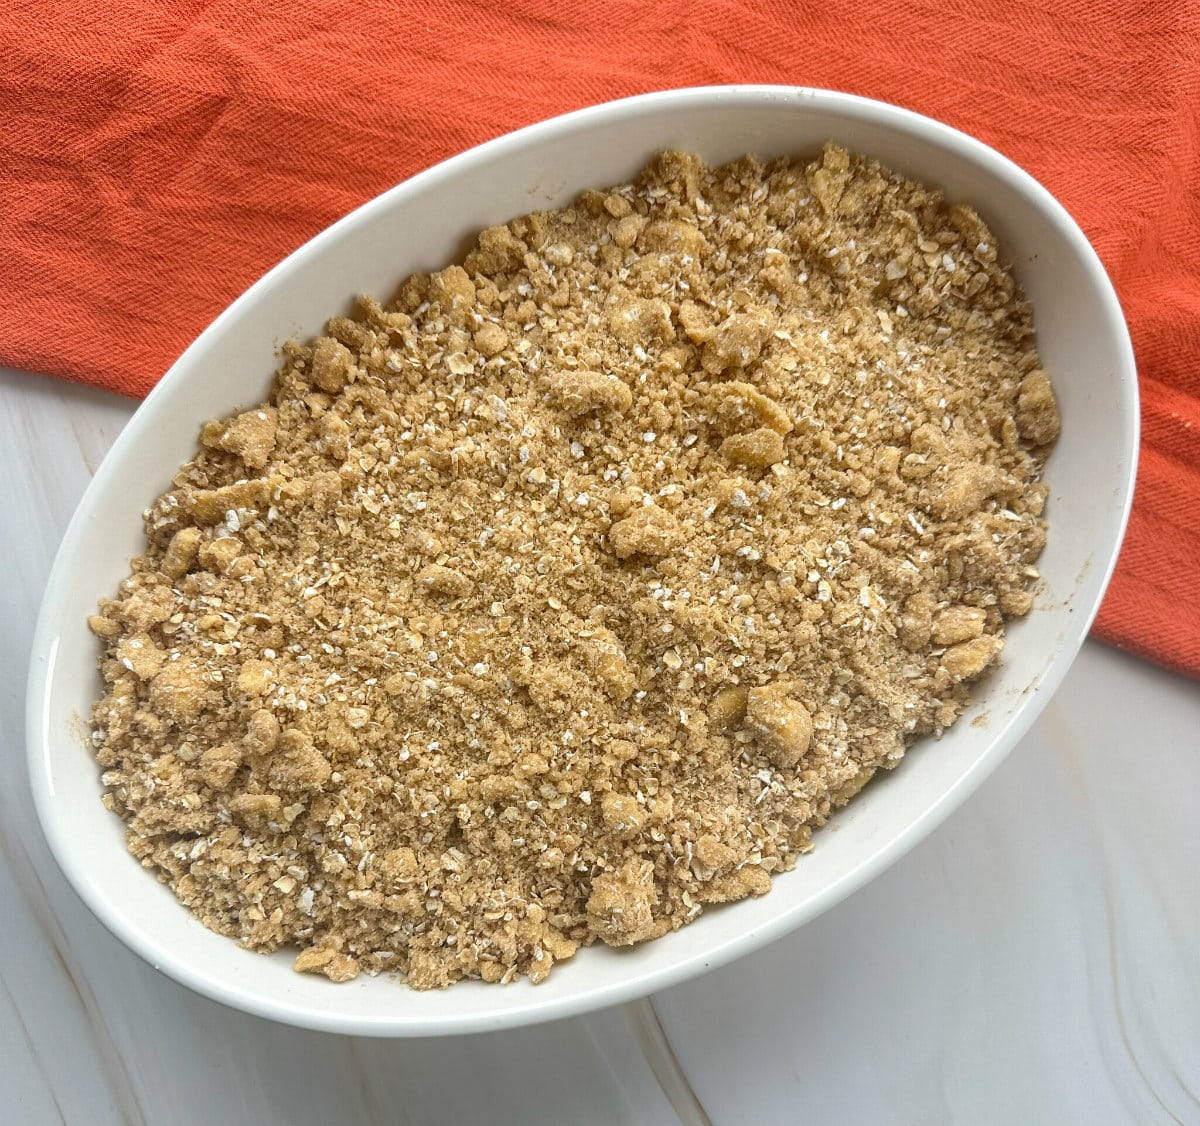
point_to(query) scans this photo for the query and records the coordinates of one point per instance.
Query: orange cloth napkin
(156, 156)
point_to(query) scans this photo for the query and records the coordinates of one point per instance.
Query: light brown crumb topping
(570, 591)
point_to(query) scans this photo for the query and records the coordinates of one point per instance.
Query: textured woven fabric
(156, 156)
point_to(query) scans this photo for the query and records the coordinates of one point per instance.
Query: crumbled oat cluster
(571, 590)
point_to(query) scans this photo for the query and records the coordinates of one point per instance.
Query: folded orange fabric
(156, 156)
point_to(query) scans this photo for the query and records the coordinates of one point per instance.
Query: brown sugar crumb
(571, 590)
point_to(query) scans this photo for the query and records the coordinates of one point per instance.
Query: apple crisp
(568, 592)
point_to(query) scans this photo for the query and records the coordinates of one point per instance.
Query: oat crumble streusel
(571, 590)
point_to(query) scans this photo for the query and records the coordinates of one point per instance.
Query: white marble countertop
(1036, 960)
